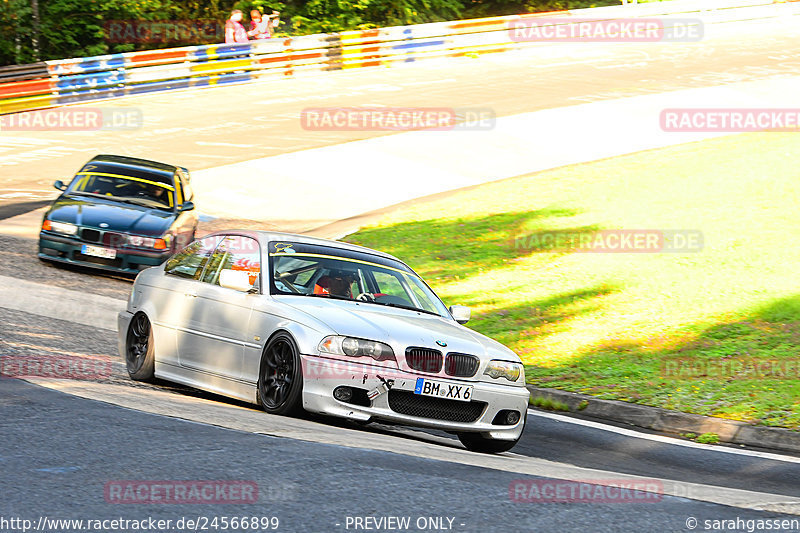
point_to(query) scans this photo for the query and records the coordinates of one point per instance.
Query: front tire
(139, 350)
(474, 442)
(280, 377)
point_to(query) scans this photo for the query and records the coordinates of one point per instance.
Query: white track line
(664, 439)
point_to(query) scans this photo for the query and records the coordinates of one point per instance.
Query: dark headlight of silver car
(352, 347)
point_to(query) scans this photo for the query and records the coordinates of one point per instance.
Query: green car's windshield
(335, 273)
(130, 189)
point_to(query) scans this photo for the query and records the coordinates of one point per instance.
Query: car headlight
(60, 227)
(148, 242)
(352, 347)
(503, 369)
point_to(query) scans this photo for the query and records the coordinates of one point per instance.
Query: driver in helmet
(336, 283)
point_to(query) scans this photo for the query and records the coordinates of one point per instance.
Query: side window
(234, 253)
(189, 262)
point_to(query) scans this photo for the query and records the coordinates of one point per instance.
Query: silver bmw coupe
(292, 322)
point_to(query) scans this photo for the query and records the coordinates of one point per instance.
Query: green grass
(708, 438)
(604, 324)
(548, 404)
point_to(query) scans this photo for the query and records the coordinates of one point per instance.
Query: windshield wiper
(112, 198)
(131, 201)
(332, 296)
(400, 306)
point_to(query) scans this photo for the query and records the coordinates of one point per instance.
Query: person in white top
(261, 28)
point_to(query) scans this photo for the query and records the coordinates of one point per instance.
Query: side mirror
(461, 313)
(237, 280)
(186, 206)
(59, 185)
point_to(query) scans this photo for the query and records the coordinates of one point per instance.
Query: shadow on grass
(512, 326)
(452, 249)
(746, 369)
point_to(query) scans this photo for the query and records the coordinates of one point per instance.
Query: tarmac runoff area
(333, 183)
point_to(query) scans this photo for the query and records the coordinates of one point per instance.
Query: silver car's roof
(266, 236)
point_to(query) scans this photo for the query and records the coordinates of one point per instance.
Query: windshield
(122, 188)
(327, 272)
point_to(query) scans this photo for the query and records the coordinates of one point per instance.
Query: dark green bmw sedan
(121, 214)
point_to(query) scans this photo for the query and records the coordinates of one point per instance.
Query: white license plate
(442, 389)
(96, 251)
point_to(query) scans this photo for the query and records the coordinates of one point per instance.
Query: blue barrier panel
(215, 51)
(210, 81)
(86, 96)
(141, 88)
(87, 64)
(406, 46)
(90, 81)
(407, 36)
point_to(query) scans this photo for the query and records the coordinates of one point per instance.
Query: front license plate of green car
(96, 251)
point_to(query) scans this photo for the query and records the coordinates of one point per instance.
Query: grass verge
(714, 332)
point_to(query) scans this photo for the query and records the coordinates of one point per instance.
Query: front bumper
(328, 374)
(66, 250)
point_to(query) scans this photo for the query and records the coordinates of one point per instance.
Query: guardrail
(66, 81)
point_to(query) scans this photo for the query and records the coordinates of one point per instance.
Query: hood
(121, 217)
(399, 328)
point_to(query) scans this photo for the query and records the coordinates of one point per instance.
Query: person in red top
(234, 31)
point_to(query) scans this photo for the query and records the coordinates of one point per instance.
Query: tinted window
(189, 262)
(130, 189)
(234, 253)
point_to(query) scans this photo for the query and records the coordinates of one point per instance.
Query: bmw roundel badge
(441, 343)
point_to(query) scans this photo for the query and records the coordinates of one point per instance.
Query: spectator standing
(234, 31)
(259, 28)
(274, 22)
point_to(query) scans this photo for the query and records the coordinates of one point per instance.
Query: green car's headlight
(503, 369)
(352, 347)
(60, 227)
